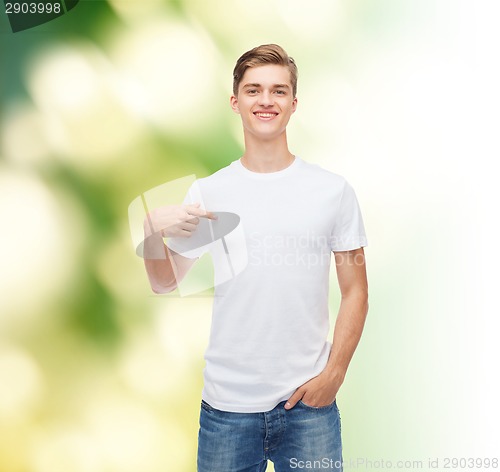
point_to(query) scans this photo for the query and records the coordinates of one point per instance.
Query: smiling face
(265, 101)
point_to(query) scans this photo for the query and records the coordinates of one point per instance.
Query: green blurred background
(97, 374)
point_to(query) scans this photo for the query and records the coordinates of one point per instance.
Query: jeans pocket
(324, 407)
(206, 406)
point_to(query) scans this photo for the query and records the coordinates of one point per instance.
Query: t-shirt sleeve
(194, 246)
(348, 231)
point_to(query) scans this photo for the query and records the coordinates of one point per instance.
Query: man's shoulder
(317, 171)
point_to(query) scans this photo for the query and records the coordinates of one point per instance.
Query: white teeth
(266, 115)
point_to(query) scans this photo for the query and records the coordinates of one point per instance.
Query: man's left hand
(317, 392)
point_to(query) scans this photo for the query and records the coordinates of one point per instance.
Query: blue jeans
(304, 438)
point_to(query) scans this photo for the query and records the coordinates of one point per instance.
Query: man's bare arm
(165, 273)
(351, 273)
(165, 268)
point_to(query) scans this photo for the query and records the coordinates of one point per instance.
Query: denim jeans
(304, 438)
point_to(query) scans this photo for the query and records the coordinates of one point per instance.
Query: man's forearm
(159, 265)
(348, 328)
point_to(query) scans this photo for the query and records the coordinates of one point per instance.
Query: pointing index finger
(195, 210)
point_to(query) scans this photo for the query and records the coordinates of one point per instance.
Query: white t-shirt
(270, 321)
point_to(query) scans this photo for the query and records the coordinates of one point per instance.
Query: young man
(271, 376)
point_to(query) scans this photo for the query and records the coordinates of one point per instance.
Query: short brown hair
(260, 56)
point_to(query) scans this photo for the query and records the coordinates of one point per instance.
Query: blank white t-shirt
(270, 321)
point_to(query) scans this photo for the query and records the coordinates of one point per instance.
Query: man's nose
(265, 98)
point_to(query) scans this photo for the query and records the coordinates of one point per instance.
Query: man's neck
(267, 156)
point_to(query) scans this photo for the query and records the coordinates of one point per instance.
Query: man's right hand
(166, 269)
(175, 220)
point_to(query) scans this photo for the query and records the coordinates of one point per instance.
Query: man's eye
(252, 91)
(280, 92)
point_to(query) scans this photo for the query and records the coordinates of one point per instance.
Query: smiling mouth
(265, 115)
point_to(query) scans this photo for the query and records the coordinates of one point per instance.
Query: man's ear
(294, 104)
(234, 104)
